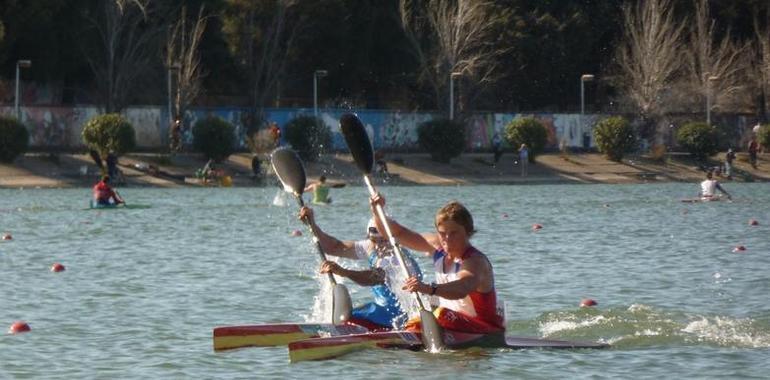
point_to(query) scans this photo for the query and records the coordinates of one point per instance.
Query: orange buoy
(58, 267)
(587, 302)
(537, 226)
(739, 248)
(296, 233)
(753, 222)
(19, 327)
(7, 236)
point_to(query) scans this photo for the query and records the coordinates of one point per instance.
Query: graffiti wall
(61, 127)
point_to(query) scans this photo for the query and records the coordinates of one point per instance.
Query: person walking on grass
(524, 159)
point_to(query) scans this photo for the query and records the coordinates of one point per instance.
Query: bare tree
(124, 53)
(715, 67)
(260, 37)
(183, 59)
(649, 55)
(453, 37)
(761, 64)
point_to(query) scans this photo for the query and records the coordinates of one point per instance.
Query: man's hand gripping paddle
(291, 172)
(363, 154)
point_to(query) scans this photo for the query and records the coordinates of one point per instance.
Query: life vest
(387, 309)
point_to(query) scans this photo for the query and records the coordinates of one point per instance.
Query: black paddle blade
(289, 169)
(358, 142)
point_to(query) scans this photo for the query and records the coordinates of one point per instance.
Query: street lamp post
(583, 79)
(22, 63)
(317, 74)
(710, 79)
(452, 77)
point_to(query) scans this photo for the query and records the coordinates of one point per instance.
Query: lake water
(144, 288)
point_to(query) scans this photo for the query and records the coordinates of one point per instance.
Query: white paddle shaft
(391, 239)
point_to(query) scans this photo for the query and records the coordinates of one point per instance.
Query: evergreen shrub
(308, 136)
(615, 137)
(443, 139)
(109, 133)
(699, 139)
(527, 130)
(214, 137)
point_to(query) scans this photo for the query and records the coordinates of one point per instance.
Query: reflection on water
(144, 287)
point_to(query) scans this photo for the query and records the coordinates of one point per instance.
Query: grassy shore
(43, 170)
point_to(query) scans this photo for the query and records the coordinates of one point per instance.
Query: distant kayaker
(385, 311)
(104, 195)
(320, 191)
(710, 186)
(465, 284)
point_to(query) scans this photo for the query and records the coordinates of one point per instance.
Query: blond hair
(456, 212)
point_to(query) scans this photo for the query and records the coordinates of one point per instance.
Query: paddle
(120, 197)
(290, 171)
(363, 154)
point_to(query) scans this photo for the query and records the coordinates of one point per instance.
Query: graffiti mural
(399, 130)
(61, 127)
(479, 132)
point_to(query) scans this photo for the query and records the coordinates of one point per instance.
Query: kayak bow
(231, 337)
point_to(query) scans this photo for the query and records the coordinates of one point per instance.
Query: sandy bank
(78, 170)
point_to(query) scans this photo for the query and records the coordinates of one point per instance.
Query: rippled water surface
(144, 288)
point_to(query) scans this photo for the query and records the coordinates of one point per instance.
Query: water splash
(280, 199)
(643, 325)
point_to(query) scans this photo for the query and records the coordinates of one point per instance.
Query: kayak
(703, 199)
(118, 206)
(231, 337)
(335, 346)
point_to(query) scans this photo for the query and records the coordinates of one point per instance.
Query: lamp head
(24, 63)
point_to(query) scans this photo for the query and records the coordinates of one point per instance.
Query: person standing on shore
(524, 159)
(753, 150)
(497, 147)
(729, 158)
(275, 134)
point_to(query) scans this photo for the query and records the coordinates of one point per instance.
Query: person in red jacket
(104, 195)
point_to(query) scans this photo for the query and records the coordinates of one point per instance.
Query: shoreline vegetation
(46, 170)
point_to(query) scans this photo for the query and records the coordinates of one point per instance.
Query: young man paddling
(710, 186)
(104, 195)
(385, 311)
(465, 284)
(320, 191)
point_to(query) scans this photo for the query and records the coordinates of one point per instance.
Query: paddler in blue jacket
(385, 312)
